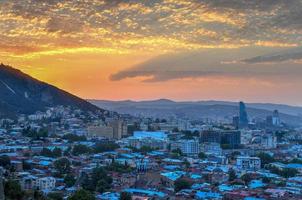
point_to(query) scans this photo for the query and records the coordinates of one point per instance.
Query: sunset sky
(149, 49)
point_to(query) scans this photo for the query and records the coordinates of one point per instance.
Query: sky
(150, 49)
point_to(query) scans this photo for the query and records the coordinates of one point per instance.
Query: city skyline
(180, 50)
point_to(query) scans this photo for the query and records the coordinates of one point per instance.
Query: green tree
(202, 155)
(12, 190)
(125, 196)
(74, 138)
(266, 180)
(181, 184)
(177, 151)
(38, 195)
(246, 178)
(26, 165)
(117, 167)
(69, 180)
(54, 196)
(296, 160)
(146, 149)
(5, 161)
(56, 152)
(62, 165)
(103, 147)
(67, 152)
(187, 164)
(288, 172)
(82, 195)
(265, 158)
(99, 180)
(46, 152)
(80, 149)
(232, 175)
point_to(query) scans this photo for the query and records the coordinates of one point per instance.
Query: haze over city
(180, 50)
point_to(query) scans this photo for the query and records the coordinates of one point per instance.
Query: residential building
(248, 163)
(100, 131)
(46, 183)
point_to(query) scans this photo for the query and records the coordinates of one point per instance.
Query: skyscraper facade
(243, 118)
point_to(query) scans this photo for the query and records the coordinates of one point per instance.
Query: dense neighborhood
(66, 153)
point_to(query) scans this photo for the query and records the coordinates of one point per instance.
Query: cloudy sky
(149, 49)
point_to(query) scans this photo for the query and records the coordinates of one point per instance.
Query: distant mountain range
(22, 94)
(200, 109)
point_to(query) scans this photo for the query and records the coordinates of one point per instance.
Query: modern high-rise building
(276, 119)
(243, 118)
(117, 126)
(273, 120)
(230, 138)
(210, 136)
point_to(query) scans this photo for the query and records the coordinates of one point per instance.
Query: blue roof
(208, 195)
(256, 184)
(294, 166)
(45, 163)
(268, 174)
(195, 176)
(225, 169)
(197, 186)
(126, 155)
(145, 192)
(172, 160)
(160, 135)
(156, 153)
(223, 188)
(253, 198)
(171, 167)
(173, 175)
(109, 196)
(297, 178)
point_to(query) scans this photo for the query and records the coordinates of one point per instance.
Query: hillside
(199, 110)
(23, 94)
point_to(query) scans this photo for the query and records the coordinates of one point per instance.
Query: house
(168, 178)
(142, 193)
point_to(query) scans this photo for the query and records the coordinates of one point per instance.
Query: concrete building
(100, 131)
(231, 138)
(188, 147)
(211, 148)
(248, 163)
(269, 141)
(210, 137)
(46, 183)
(276, 119)
(117, 126)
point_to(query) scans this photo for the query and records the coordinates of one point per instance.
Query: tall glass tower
(243, 119)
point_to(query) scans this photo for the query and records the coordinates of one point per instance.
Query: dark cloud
(288, 55)
(159, 76)
(202, 64)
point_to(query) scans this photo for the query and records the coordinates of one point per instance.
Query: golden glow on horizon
(77, 45)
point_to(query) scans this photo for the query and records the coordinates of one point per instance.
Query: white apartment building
(188, 147)
(248, 163)
(46, 183)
